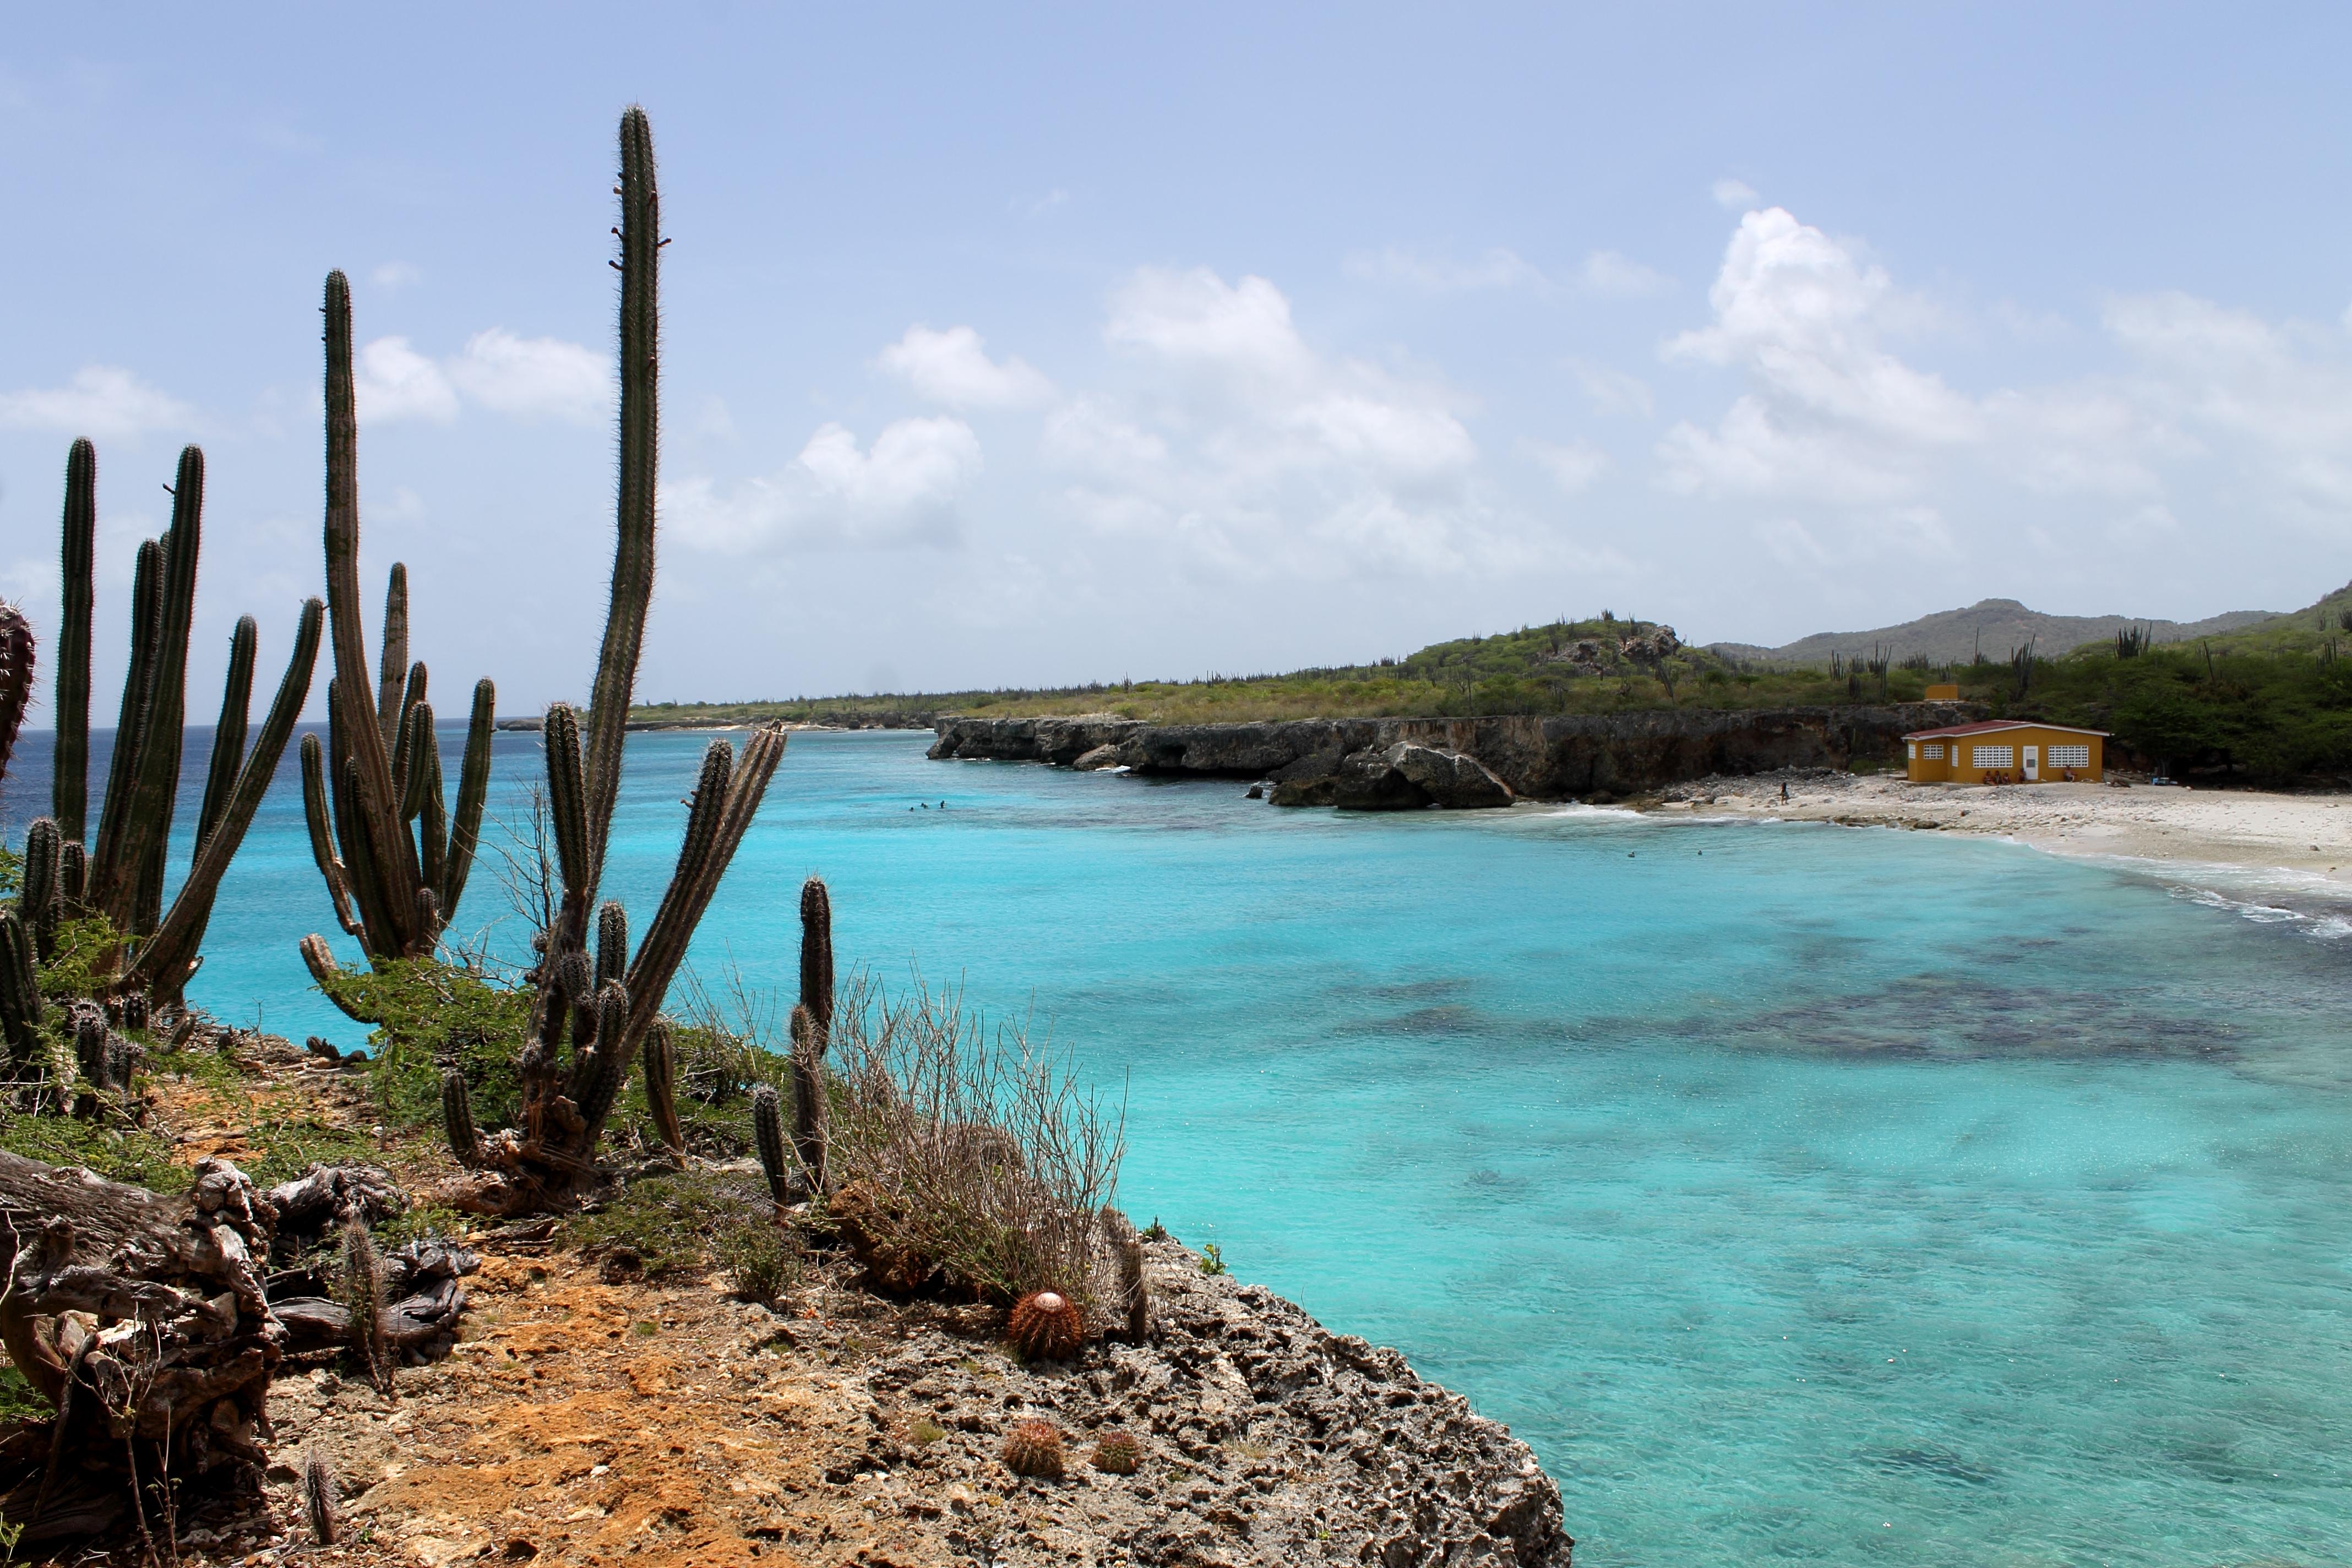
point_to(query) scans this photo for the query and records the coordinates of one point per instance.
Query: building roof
(1990, 724)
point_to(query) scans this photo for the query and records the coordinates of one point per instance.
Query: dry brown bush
(972, 1148)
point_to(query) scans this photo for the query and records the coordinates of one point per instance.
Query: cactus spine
(16, 676)
(767, 1132)
(392, 856)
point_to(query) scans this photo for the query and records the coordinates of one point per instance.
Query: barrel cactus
(1034, 1449)
(1046, 1326)
(1118, 1454)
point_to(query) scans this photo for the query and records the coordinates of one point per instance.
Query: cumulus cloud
(522, 377)
(1736, 194)
(903, 490)
(1248, 451)
(535, 377)
(392, 381)
(101, 401)
(953, 368)
(1832, 415)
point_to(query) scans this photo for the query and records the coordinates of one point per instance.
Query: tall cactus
(16, 676)
(126, 864)
(816, 957)
(69, 764)
(553, 1151)
(122, 876)
(394, 856)
(234, 789)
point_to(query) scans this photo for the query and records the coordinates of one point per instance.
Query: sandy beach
(2307, 833)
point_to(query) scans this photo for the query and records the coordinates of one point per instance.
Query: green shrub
(128, 1154)
(681, 1222)
(430, 1016)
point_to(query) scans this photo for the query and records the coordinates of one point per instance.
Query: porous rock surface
(1585, 756)
(1266, 1440)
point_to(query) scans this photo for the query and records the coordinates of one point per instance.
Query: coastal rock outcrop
(1402, 777)
(1587, 756)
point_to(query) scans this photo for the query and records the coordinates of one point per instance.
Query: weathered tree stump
(144, 1321)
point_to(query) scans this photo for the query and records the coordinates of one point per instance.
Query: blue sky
(1048, 345)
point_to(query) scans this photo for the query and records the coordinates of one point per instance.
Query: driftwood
(149, 1323)
(144, 1321)
(419, 1320)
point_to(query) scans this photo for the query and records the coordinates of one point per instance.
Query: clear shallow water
(1798, 1193)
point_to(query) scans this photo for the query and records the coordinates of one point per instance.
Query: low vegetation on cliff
(2268, 704)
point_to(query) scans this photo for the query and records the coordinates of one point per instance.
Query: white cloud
(953, 368)
(1572, 466)
(1498, 268)
(1736, 194)
(903, 490)
(394, 274)
(1616, 277)
(392, 381)
(101, 401)
(535, 377)
(523, 377)
(2251, 418)
(1245, 451)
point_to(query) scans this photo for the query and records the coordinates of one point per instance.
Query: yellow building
(2007, 751)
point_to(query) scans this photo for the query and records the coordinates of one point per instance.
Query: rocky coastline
(1370, 763)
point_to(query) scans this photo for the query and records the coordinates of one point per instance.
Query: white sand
(2308, 833)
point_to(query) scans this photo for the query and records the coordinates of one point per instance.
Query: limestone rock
(1450, 779)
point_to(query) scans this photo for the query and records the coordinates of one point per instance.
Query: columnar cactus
(809, 1100)
(41, 896)
(1127, 1255)
(16, 676)
(394, 858)
(661, 1089)
(20, 990)
(767, 1132)
(564, 1106)
(69, 764)
(121, 876)
(816, 957)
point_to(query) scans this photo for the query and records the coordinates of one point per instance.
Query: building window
(1933, 750)
(1996, 756)
(2070, 756)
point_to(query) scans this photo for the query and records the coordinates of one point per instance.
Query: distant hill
(1995, 625)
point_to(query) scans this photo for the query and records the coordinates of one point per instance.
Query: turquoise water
(1799, 1194)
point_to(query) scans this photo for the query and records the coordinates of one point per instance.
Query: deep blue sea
(1798, 1193)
